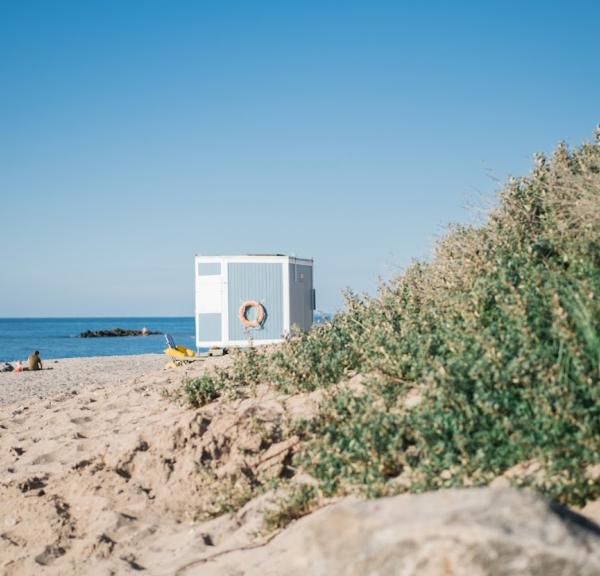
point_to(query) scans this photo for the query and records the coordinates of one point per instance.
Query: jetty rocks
(117, 332)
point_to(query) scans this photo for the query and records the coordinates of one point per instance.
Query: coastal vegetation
(482, 362)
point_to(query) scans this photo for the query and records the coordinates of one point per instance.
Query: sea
(59, 337)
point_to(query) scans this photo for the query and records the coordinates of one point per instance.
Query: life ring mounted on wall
(261, 314)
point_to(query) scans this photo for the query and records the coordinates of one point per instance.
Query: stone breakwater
(117, 332)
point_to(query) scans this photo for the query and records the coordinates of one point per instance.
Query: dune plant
(499, 332)
(238, 380)
(202, 390)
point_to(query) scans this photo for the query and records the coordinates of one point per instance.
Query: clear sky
(136, 134)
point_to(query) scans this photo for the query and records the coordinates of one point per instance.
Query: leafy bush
(353, 440)
(500, 333)
(202, 390)
(244, 373)
(310, 360)
(502, 329)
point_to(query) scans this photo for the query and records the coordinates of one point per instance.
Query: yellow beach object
(180, 352)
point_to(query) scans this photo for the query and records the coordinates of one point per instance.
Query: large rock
(470, 532)
(117, 333)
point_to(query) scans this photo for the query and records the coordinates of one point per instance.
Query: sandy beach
(61, 430)
(99, 472)
(72, 375)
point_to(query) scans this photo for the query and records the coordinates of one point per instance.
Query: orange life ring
(261, 314)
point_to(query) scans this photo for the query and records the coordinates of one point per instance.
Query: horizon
(147, 316)
(87, 317)
(137, 135)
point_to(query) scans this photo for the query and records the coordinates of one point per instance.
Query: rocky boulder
(469, 532)
(117, 332)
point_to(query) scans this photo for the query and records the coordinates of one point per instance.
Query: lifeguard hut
(253, 298)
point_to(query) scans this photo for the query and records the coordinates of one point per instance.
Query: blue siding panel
(209, 327)
(209, 268)
(262, 282)
(301, 296)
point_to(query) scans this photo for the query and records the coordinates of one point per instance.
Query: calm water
(59, 337)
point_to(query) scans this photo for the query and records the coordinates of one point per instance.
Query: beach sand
(74, 374)
(101, 473)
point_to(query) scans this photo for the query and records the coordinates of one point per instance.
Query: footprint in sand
(33, 483)
(19, 421)
(50, 554)
(13, 539)
(43, 459)
(81, 419)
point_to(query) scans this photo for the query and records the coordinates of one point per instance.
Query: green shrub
(247, 367)
(244, 374)
(202, 390)
(354, 440)
(321, 356)
(500, 332)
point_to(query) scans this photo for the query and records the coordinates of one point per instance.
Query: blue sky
(136, 134)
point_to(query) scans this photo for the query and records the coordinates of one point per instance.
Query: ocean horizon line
(90, 317)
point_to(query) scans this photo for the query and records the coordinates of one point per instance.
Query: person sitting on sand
(35, 362)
